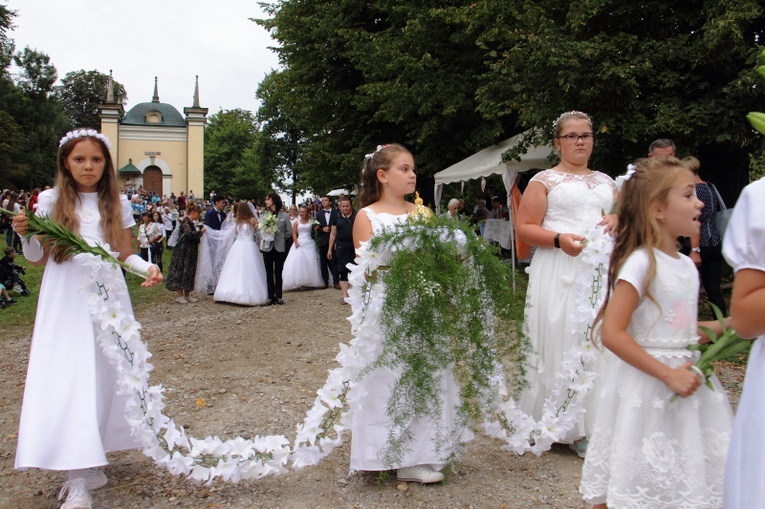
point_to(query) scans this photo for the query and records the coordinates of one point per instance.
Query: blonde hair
(647, 188)
(108, 198)
(692, 164)
(380, 159)
(565, 117)
(243, 213)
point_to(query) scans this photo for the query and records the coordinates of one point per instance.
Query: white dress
(744, 248)
(243, 277)
(72, 414)
(575, 203)
(645, 450)
(301, 268)
(370, 423)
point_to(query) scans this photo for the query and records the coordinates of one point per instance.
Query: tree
(644, 70)
(446, 79)
(39, 115)
(231, 164)
(80, 93)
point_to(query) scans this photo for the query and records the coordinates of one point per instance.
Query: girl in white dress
(646, 449)
(301, 268)
(72, 414)
(243, 277)
(558, 207)
(744, 249)
(387, 177)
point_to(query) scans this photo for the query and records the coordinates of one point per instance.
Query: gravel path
(257, 370)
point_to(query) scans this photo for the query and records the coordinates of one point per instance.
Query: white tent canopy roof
(488, 162)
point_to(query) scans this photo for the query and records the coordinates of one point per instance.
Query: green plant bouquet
(447, 306)
(56, 235)
(728, 345)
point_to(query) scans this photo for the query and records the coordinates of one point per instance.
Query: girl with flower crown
(647, 449)
(387, 177)
(72, 414)
(558, 207)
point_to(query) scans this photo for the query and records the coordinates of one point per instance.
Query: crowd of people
(640, 449)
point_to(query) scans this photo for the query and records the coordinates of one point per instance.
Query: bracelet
(556, 241)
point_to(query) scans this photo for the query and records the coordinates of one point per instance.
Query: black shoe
(269, 303)
(279, 301)
(11, 301)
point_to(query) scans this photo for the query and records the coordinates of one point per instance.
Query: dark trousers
(327, 266)
(710, 271)
(274, 261)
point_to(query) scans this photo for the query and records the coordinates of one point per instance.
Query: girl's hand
(682, 381)
(297, 244)
(571, 244)
(695, 257)
(155, 278)
(19, 223)
(611, 222)
(329, 254)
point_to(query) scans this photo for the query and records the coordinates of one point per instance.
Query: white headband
(84, 133)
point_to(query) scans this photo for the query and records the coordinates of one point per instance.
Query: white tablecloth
(500, 231)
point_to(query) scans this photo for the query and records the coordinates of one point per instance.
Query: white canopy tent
(489, 162)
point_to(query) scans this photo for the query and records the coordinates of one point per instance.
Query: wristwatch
(696, 249)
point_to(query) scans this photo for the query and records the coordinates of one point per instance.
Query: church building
(154, 145)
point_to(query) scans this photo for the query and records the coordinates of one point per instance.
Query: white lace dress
(644, 450)
(243, 276)
(575, 203)
(73, 413)
(370, 423)
(301, 268)
(744, 248)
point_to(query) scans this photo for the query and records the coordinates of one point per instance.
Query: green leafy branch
(56, 235)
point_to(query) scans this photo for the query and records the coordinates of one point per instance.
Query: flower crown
(572, 113)
(379, 148)
(84, 133)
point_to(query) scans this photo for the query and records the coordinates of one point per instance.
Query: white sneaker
(420, 473)
(192, 300)
(77, 495)
(95, 479)
(18, 289)
(181, 300)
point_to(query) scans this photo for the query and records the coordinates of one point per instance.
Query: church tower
(196, 118)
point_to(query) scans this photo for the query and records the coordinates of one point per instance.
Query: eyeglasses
(573, 138)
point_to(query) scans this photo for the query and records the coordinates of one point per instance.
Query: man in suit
(215, 216)
(327, 218)
(274, 252)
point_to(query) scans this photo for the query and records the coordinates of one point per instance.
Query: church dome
(154, 113)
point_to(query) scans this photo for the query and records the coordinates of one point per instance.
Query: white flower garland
(322, 429)
(83, 133)
(579, 368)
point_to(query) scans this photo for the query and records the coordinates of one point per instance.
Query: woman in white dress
(744, 249)
(243, 277)
(301, 268)
(557, 208)
(73, 413)
(387, 177)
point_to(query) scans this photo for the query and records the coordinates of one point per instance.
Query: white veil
(213, 248)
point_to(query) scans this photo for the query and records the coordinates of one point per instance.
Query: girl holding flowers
(744, 249)
(645, 449)
(72, 415)
(387, 177)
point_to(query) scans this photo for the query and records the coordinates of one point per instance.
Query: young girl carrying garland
(72, 414)
(647, 450)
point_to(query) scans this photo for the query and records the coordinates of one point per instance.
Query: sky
(174, 40)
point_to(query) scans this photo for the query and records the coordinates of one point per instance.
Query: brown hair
(108, 198)
(380, 159)
(565, 117)
(243, 213)
(192, 206)
(647, 188)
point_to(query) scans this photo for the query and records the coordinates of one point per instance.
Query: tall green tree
(40, 116)
(449, 78)
(643, 70)
(80, 93)
(231, 162)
